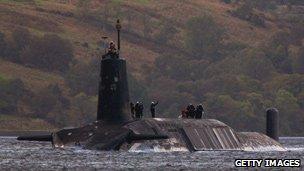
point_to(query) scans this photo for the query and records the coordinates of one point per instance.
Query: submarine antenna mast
(118, 28)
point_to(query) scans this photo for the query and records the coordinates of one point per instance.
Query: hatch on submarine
(115, 129)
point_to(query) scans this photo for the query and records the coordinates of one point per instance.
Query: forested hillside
(236, 57)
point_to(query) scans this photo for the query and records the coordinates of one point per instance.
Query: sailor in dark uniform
(112, 51)
(199, 111)
(152, 108)
(112, 48)
(141, 109)
(191, 111)
(137, 110)
(132, 107)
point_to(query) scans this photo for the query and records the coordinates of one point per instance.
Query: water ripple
(15, 155)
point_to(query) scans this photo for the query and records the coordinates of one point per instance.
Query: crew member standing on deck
(132, 107)
(137, 110)
(141, 109)
(199, 111)
(191, 110)
(152, 108)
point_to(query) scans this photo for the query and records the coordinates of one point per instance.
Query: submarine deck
(163, 133)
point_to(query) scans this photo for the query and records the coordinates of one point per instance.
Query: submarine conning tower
(113, 96)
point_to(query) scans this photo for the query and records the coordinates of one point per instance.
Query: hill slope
(62, 18)
(248, 76)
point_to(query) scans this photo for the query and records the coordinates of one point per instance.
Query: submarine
(115, 129)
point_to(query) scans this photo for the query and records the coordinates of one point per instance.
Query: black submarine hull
(115, 129)
(163, 134)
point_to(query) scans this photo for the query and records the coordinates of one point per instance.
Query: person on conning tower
(112, 48)
(112, 51)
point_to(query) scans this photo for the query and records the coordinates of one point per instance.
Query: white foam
(159, 119)
(137, 147)
(295, 149)
(172, 149)
(159, 150)
(264, 148)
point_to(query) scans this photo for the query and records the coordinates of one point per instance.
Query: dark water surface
(15, 155)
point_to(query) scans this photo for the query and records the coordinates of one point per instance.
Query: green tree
(238, 114)
(11, 92)
(85, 107)
(246, 12)
(204, 38)
(300, 61)
(21, 38)
(180, 67)
(301, 99)
(281, 60)
(256, 64)
(138, 91)
(262, 5)
(166, 33)
(58, 116)
(2, 45)
(277, 51)
(50, 52)
(45, 100)
(83, 77)
(290, 116)
(292, 83)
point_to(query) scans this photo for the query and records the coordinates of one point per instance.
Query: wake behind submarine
(115, 129)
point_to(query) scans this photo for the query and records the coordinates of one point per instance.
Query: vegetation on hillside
(49, 52)
(237, 57)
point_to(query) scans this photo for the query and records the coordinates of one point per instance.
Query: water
(15, 155)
